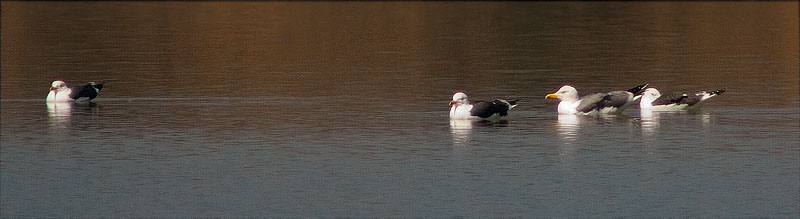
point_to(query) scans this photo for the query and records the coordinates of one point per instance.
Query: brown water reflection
(400, 48)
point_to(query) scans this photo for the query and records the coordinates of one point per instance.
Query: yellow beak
(452, 102)
(551, 96)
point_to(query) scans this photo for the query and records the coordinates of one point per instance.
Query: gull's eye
(563, 92)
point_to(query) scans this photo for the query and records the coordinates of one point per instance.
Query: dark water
(340, 110)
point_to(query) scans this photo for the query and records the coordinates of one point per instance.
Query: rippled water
(340, 110)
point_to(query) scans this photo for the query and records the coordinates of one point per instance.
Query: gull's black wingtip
(98, 86)
(514, 102)
(638, 89)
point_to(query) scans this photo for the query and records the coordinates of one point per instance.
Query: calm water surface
(340, 110)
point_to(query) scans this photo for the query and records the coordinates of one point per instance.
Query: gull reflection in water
(568, 126)
(649, 122)
(59, 113)
(706, 118)
(651, 119)
(461, 130)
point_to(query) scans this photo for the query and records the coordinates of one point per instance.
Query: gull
(653, 100)
(462, 108)
(602, 103)
(60, 92)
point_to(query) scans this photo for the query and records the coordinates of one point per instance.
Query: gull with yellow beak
(461, 108)
(602, 103)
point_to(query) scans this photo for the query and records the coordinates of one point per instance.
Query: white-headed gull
(604, 103)
(60, 92)
(653, 100)
(462, 108)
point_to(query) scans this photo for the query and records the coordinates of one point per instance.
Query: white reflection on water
(59, 113)
(62, 113)
(649, 122)
(461, 130)
(706, 118)
(568, 126)
(59, 109)
(650, 125)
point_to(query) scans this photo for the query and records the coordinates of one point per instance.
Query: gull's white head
(58, 85)
(652, 92)
(648, 96)
(459, 98)
(565, 93)
(58, 91)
